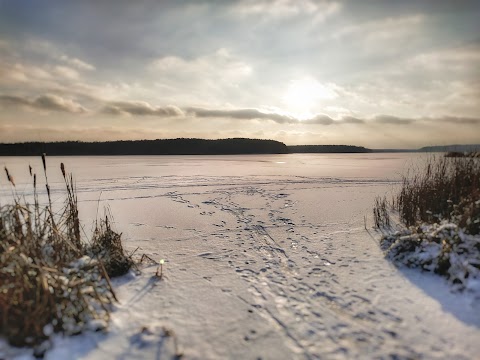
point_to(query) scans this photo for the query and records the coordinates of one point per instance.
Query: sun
(304, 95)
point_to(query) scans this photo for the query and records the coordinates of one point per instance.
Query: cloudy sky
(372, 73)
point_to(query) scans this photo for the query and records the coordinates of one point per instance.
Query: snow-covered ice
(265, 257)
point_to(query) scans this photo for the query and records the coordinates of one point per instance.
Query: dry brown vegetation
(381, 216)
(463, 154)
(440, 208)
(51, 279)
(446, 189)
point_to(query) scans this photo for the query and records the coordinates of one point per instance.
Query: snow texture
(265, 257)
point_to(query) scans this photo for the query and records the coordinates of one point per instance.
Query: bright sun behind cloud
(304, 95)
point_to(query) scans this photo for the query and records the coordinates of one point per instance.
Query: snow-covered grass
(442, 248)
(439, 206)
(50, 279)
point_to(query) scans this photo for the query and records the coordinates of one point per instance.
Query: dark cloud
(389, 119)
(57, 103)
(352, 120)
(457, 120)
(9, 100)
(47, 102)
(323, 119)
(140, 108)
(320, 120)
(252, 114)
(244, 114)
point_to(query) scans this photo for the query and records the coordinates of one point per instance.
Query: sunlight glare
(303, 95)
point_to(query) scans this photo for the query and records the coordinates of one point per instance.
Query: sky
(380, 74)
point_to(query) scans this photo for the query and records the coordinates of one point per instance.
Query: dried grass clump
(474, 154)
(381, 214)
(51, 280)
(440, 206)
(447, 189)
(107, 245)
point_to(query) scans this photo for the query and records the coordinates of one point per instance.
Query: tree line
(180, 146)
(147, 147)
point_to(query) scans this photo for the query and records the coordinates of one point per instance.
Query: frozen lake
(266, 257)
(378, 166)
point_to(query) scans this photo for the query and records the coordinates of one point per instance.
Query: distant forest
(448, 148)
(184, 146)
(171, 147)
(147, 147)
(327, 149)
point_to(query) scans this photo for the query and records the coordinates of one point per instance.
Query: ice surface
(265, 257)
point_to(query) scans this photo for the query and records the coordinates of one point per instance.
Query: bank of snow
(443, 248)
(438, 205)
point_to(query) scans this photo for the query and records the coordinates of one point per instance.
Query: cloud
(389, 119)
(57, 103)
(16, 72)
(66, 72)
(77, 63)
(33, 47)
(320, 119)
(287, 8)
(254, 114)
(455, 120)
(243, 114)
(51, 102)
(140, 108)
(393, 120)
(37, 75)
(386, 28)
(374, 38)
(10, 100)
(215, 77)
(352, 120)
(220, 66)
(48, 102)
(447, 60)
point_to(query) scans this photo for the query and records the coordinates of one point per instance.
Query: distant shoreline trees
(188, 146)
(328, 149)
(180, 146)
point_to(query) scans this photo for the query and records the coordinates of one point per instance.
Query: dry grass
(440, 206)
(107, 245)
(51, 280)
(446, 189)
(381, 216)
(463, 154)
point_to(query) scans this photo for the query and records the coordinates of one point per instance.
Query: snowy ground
(266, 257)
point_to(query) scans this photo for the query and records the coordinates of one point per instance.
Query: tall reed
(52, 280)
(440, 206)
(447, 188)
